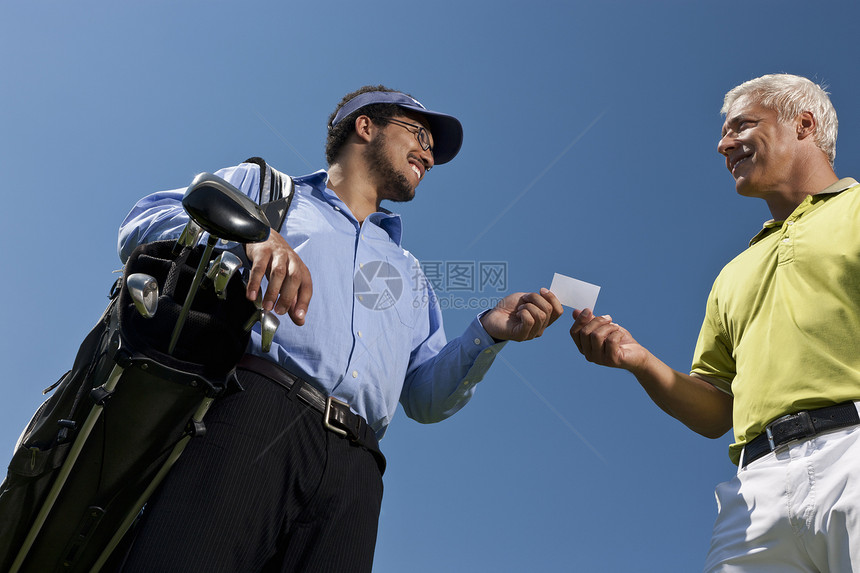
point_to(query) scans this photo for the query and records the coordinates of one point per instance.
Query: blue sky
(590, 150)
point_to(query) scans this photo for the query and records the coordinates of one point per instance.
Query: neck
(810, 176)
(353, 186)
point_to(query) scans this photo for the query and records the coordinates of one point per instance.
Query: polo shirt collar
(842, 185)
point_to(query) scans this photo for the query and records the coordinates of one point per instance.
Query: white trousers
(796, 509)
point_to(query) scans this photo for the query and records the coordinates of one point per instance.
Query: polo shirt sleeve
(712, 359)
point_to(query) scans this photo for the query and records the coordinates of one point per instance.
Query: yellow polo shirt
(782, 325)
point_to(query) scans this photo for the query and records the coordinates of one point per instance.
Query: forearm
(694, 402)
(443, 379)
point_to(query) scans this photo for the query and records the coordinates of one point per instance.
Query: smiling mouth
(739, 162)
(416, 169)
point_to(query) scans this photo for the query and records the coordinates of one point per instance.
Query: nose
(726, 144)
(427, 158)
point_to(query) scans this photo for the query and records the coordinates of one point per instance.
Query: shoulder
(245, 176)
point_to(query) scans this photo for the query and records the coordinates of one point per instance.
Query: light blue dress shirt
(373, 333)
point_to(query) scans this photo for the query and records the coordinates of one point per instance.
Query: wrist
(647, 366)
(483, 320)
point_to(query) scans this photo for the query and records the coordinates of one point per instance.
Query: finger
(543, 318)
(541, 315)
(593, 324)
(588, 346)
(537, 300)
(259, 265)
(600, 336)
(577, 339)
(596, 340)
(528, 322)
(277, 273)
(291, 268)
(557, 308)
(612, 346)
(581, 318)
(592, 344)
(303, 297)
(531, 319)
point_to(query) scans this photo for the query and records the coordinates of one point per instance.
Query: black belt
(798, 426)
(336, 415)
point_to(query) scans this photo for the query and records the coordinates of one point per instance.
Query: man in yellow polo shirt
(777, 357)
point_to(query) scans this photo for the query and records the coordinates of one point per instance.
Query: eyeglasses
(422, 135)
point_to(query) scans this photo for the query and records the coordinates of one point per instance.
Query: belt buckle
(803, 428)
(327, 414)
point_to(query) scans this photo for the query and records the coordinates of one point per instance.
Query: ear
(805, 124)
(364, 128)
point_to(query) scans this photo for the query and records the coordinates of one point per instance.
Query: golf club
(189, 237)
(269, 324)
(221, 271)
(143, 289)
(225, 213)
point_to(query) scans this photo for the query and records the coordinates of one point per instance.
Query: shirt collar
(834, 189)
(842, 185)
(384, 219)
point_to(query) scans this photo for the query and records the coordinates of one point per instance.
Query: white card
(574, 293)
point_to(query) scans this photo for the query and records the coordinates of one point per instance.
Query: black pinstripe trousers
(267, 489)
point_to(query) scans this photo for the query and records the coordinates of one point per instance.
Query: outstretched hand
(603, 342)
(522, 316)
(290, 286)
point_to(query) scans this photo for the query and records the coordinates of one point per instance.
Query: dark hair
(377, 112)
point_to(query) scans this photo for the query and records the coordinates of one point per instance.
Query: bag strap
(276, 192)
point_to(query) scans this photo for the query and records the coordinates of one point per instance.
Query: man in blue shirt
(288, 477)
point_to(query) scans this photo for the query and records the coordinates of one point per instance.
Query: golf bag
(98, 447)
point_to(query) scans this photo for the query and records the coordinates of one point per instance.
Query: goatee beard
(394, 185)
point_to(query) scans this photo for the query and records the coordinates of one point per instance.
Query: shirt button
(477, 341)
(786, 240)
(488, 351)
(355, 373)
(336, 208)
(359, 334)
(360, 297)
(789, 223)
(225, 242)
(466, 383)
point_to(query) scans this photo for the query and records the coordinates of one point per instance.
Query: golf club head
(224, 211)
(143, 290)
(221, 270)
(255, 317)
(190, 235)
(269, 324)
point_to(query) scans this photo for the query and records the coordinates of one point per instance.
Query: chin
(749, 189)
(743, 186)
(401, 195)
